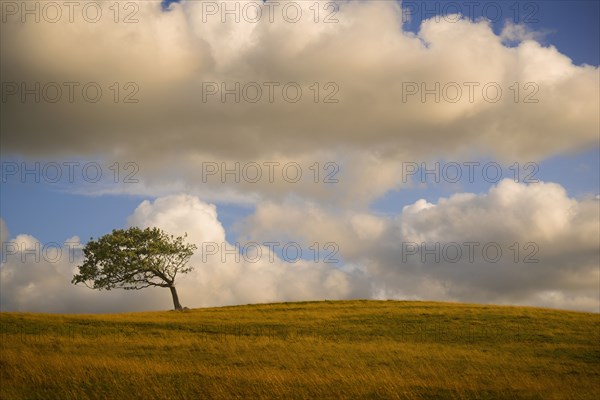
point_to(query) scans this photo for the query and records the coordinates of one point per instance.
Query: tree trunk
(175, 298)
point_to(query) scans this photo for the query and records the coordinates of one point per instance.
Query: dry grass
(313, 350)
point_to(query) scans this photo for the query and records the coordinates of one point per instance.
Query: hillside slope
(308, 350)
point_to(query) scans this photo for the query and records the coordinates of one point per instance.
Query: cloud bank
(554, 264)
(43, 284)
(374, 67)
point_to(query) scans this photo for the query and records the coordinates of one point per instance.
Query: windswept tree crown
(134, 259)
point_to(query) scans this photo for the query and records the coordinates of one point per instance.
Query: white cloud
(180, 215)
(561, 232)
(40, 281)
(44, 285)
(215, 282)
(520, 32)
(171, 130)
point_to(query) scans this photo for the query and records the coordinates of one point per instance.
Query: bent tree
(135, 259)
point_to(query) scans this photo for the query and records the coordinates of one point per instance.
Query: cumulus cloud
(368, 56)
(519, 32)
(43, 284)
(36, 277)
(219, 278)
(548, 242)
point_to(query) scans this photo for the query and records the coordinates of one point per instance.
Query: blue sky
(571, 26)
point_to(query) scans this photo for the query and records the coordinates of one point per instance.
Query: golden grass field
(309, 350)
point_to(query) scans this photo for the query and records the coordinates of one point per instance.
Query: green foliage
(134, 259)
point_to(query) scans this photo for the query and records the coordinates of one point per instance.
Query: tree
(135, 259)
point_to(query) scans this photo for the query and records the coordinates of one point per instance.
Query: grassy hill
(309, 350)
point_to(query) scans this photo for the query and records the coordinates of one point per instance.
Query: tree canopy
(134, 259)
